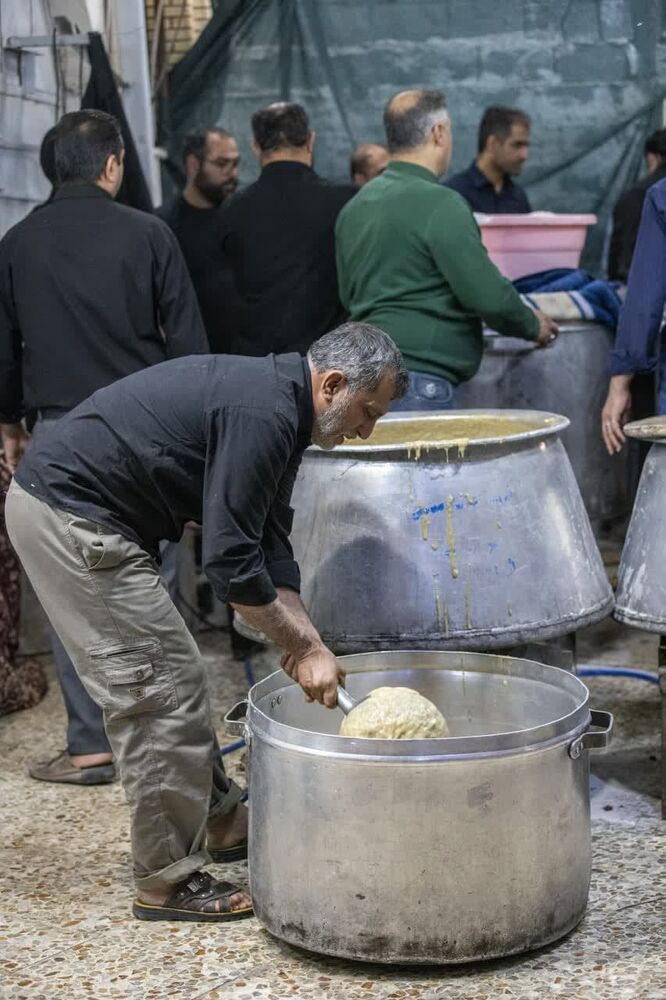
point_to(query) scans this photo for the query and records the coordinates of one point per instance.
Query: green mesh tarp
(589, 72)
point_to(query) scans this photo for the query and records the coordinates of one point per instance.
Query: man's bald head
(368, 161)
(410, 116)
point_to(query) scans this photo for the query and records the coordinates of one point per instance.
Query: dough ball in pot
(395, 713)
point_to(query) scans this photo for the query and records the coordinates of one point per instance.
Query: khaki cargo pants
(138, 661)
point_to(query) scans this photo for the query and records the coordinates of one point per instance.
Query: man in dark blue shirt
(215, 439)
(636, 341)
(487, 185)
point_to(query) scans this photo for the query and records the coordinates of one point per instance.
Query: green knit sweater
(410, 260)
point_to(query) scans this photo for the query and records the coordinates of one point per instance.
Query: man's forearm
(292, 601)
(285, 621)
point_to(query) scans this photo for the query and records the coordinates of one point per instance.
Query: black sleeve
(626, 220)
(178, 308)
(11, 350)
(248, 454)
(526, 207)
(278, 553)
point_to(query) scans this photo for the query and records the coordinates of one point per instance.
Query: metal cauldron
(571, 378)
(442, 850)
(641, 589)
(483, 543)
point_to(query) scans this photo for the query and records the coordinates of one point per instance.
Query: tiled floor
(66, 930)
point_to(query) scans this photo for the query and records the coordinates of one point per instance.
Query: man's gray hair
(364, 353)
(409, 127)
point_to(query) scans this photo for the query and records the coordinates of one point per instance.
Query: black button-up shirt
(278, 235)
(477, 190)
(213, 439)
(90, 291)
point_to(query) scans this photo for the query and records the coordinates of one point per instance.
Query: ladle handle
(345, 701)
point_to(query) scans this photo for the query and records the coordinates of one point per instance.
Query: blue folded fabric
(594, 298)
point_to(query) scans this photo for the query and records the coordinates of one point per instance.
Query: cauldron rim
(553, 424)
(560, 729)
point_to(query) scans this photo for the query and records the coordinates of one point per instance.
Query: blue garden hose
(230, 747)
(637, 675)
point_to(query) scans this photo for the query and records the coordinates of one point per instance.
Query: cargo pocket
(135, 678)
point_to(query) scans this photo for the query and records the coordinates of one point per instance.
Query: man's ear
(311, 141)
(192, 163)
(256, 150)
(332, 383)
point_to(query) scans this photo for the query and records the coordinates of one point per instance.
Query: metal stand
(661, 667)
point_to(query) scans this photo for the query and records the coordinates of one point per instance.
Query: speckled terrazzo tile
(66, 930)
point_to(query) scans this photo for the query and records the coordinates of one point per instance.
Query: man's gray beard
(329, 425)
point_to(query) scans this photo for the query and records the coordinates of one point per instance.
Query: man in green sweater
(410, 260)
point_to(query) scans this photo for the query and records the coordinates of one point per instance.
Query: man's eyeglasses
(223, 164)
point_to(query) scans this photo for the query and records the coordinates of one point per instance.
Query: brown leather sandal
(198, 897)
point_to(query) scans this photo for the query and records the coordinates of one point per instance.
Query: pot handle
(235, 719)
(597, 740)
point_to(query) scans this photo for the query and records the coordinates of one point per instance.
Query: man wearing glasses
(211, 160)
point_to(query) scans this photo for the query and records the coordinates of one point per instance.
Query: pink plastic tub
(524, 244)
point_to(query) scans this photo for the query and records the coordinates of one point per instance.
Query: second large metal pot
(441, 850)
(571, 378)
(641, 590)
(476, 542)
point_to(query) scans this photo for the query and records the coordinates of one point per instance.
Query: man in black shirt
(219, 440)
(90, 291)
(627, 212)
(210, 158)
(504, 144)
(278, 235)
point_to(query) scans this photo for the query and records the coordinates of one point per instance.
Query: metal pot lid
(417, 432)
(648, 429)
(514, 689)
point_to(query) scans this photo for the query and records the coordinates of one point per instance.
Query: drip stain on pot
(451, 537)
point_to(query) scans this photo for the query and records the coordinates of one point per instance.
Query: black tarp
(102, 94)
(589, 73)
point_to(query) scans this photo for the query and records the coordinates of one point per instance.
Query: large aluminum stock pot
(641, 589)
(448, 530)
(427, 851)
(571, 377)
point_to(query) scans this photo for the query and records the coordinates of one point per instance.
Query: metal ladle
(345, 701)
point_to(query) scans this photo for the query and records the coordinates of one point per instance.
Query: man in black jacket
(278, 235)
(90, 291)
(210, 159)
(219, 440)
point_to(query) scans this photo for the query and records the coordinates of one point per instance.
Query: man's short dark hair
(407, 128)
(195, 141)
(83, 143)
(498, 120)
(656, 144)
(280, 126)
(47, 156)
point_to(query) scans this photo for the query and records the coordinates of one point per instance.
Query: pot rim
(552, 425)
(650, 429)
(449, 747)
